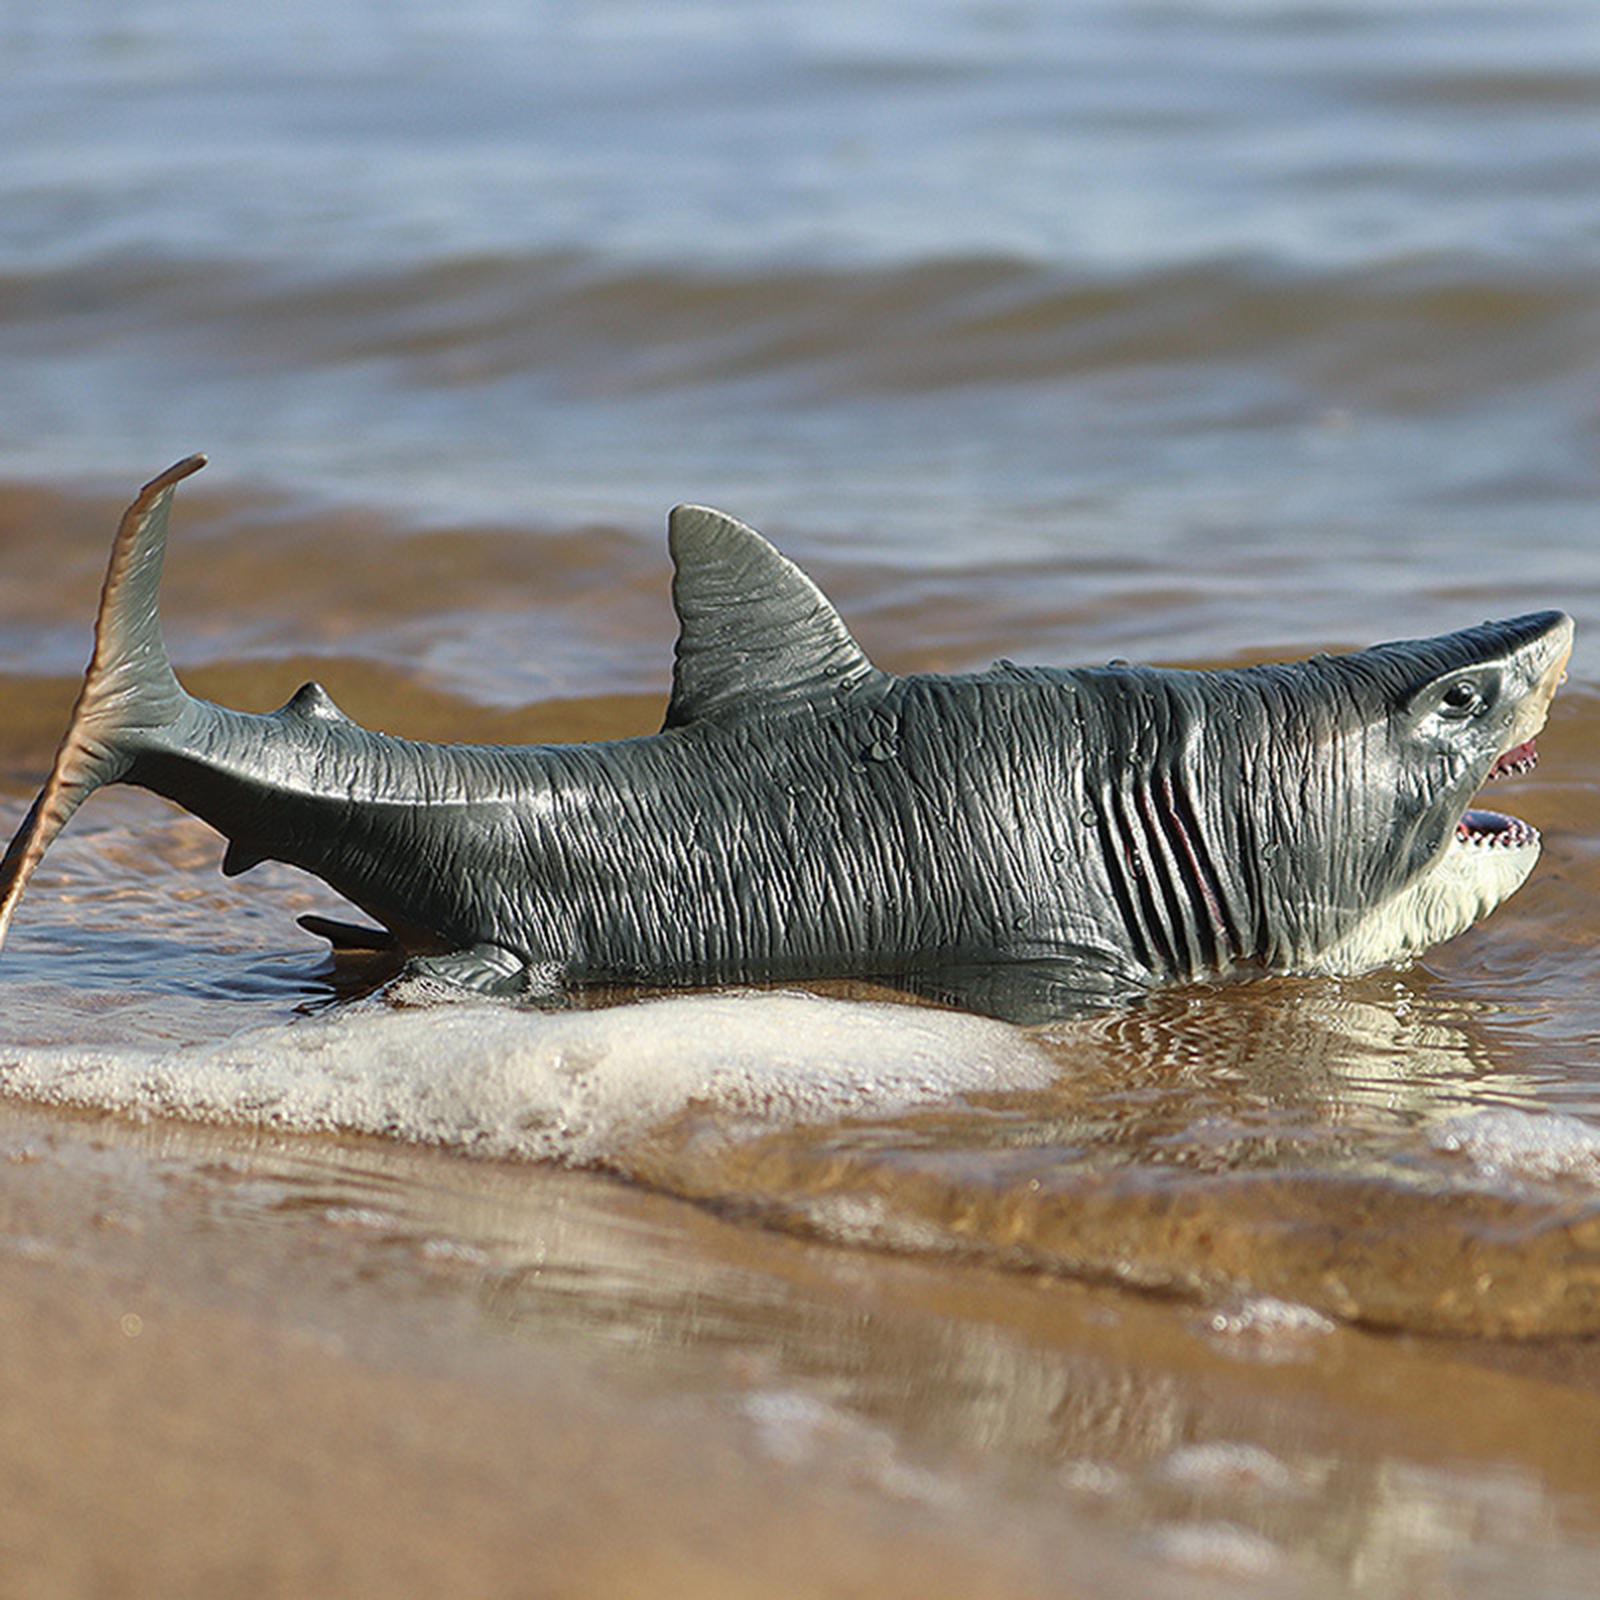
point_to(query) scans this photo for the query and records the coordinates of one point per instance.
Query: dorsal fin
(755, 632)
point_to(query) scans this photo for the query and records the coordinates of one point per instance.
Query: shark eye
(1462, 698)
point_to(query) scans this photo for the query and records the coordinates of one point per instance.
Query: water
(1244, 290)
(1192, 333)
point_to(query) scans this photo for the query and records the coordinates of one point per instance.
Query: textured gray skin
(1020, 839)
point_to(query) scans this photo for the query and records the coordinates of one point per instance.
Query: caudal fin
(128, 690)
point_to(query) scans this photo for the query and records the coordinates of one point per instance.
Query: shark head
(1364, 781)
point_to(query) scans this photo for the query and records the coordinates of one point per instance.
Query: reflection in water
(1301, 1141)
(1359, 1149)
(919, 1385)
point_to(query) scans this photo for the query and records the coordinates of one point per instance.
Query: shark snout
(1543, 660)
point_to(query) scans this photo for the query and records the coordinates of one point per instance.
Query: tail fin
(129, 687)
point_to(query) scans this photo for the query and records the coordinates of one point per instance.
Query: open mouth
(1492, 829)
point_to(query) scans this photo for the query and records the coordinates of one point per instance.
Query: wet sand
(210, 1388)
(237, 1364)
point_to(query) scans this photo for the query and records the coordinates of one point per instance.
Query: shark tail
(129, 690)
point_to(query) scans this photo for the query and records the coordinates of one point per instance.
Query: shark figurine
(1024, 840)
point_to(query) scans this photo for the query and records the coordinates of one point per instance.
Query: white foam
(574, 1087)
(1504, 1143)
(1266, 1328)
(798, 1428)
(1225, 1465)
(1219, 1548)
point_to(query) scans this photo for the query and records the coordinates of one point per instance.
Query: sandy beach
(243, 1364)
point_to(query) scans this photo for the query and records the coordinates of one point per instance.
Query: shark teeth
(1515, 761)
(1489, 830)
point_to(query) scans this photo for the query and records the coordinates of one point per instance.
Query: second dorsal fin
(755, 632)
(312, 700)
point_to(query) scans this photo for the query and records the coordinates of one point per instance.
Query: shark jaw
(1486, 857)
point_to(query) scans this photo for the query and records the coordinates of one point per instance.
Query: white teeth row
(1517, 768)
(1512, 838)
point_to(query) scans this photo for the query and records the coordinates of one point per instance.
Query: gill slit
(1142, 899)
(1166, 871)
(1111, 852)
(1185, 824)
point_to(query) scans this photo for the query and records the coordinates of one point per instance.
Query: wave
(1477, 324)
(579, 1088)
(932, 1132)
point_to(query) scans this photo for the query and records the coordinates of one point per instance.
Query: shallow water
(1190, 333)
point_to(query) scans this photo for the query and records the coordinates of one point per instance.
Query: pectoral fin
(348, 935)
(486, 969)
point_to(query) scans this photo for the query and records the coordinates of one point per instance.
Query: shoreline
(193, 1411)
(248, 1363)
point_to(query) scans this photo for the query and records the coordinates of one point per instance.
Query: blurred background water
(1291, 304)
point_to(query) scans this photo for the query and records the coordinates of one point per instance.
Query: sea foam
(573, 1087)
(1503, 1143)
